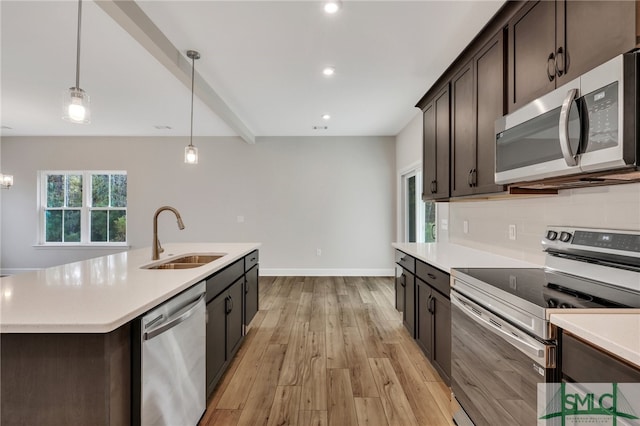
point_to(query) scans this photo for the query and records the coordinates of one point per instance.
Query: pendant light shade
(75, 102)
(190, 151)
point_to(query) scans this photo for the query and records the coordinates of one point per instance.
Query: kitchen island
(66, 344)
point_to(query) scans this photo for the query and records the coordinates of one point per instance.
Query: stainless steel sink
(186, 262)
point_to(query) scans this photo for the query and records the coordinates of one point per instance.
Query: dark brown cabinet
(409, 314)
(584, 363)
(553, 42)
(490, 104)
(433, 318)
(232, 302)
(462, 134)
(251, 295)
(477, 100)
(427, 309)
(224, 331)
(435, 150)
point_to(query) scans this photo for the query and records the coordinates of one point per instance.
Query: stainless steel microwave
(588, 125)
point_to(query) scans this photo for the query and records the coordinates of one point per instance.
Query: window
(418, 216)
(83, 207)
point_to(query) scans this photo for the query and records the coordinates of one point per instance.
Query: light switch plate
(512, 232)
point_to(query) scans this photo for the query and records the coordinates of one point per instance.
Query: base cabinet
(433, 328)
(232, 301)
(251, 295)
(424, 293)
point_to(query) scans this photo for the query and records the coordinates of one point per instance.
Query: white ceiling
(264, 58)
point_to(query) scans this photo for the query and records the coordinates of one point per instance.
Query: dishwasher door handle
(179, 317)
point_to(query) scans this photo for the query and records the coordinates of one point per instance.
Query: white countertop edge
(175, 250)
(446, 256)
(596, 329)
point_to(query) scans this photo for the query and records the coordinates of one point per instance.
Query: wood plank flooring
(328, 351)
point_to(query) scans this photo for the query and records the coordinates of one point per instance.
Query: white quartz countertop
(99, 295)
(446, 256)
(616, 333)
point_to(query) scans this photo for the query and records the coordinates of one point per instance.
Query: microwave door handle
(570, 157)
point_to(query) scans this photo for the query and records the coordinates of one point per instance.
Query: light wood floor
(328, 351)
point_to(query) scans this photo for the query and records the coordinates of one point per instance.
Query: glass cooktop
(549, 289)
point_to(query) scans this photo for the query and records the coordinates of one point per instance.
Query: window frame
(85, 209)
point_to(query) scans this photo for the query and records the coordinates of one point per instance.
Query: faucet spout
(156, 248)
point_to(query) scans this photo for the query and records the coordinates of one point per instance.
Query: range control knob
(565, 236)
(552, 235)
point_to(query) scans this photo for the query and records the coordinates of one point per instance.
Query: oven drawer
(406, 261)
(433, 276)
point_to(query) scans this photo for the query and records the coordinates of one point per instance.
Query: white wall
(296, 195)
(408, 157)
(611, 207)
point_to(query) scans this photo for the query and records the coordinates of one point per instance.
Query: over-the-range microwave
(590, 124)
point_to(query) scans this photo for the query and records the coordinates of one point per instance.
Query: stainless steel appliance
(589, 124)
(503, 344)
(171, 361)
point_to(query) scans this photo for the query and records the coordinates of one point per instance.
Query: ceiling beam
(133, 20)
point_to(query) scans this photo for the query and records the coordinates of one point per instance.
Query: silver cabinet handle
(559, 55)
(551, 66)
(181, 316)
(570, 157)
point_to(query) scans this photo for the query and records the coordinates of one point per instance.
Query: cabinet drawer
(407, 262)
(585, 364)
(223, 279)
(251, 260)
(433, 276)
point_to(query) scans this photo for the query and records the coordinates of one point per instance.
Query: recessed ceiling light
(332, 6)
(329, 71)
(326, 117)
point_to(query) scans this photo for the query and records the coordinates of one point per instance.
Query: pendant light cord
(78, 45)
(193, 69)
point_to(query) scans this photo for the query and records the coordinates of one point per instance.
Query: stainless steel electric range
(503, 344)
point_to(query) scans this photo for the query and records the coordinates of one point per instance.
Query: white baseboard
(282, 272)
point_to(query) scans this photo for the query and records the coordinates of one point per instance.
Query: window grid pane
(74, 191)
(100, 190)
(53, 226)
(71, 226)
(55, 191)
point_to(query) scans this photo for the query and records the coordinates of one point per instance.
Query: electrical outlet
(465, 226)
(318, 252)
(444, 224)
(512, 232)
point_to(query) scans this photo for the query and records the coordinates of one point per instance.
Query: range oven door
(496, 367)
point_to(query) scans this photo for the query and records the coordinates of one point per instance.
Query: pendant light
(190, 151)
(76, 101)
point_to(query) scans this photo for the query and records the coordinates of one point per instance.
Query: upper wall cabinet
(551, 43)
(435, 147)
(477, 100)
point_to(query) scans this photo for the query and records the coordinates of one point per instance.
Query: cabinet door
(234, 317)
(435, 147)
(400, 283)
(593, 32)
(441, 311)
(429, 161)
(251, 295)
(462, 132)
(216, 351)
(443, 141)
(532, 46)
(408, 315)
(490, 84)
(424, 321)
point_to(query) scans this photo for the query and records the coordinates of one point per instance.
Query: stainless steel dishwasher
(171, 360)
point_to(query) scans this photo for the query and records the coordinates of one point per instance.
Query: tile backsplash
(487, 221)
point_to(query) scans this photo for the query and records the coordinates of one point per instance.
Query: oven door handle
(530, 347)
